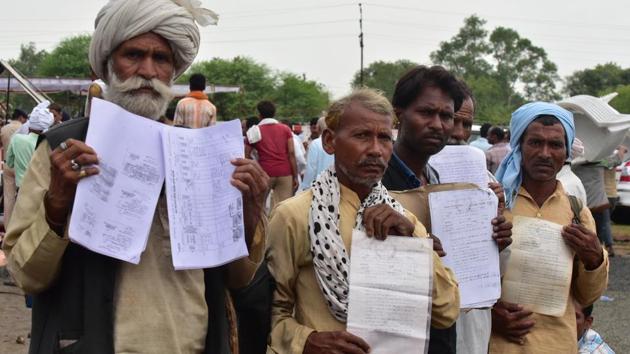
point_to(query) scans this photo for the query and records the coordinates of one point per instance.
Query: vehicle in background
(621, 213)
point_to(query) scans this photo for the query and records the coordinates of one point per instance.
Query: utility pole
(361, 40)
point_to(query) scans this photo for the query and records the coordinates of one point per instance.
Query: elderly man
(542, 133)
(307, 256)
(88, 303)
(433, 108)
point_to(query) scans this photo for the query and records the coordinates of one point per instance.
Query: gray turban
(174, 20)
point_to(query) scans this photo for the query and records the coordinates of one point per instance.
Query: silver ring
(74, 165)
(63, 146)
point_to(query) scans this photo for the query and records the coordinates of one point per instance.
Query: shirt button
(538, 215)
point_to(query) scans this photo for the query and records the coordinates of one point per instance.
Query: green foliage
(69, 59)
(622, 102)
(296, 97)
(382, 75)
(29, 60)
(600, 78)
(292, 95)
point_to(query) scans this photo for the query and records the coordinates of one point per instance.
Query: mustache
(372, 161)
(137, 82)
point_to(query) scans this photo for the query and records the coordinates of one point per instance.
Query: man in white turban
(89, 303)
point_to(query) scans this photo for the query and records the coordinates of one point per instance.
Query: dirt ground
(611, 317)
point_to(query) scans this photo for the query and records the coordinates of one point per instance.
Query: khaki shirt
(298, 306)
(156, 309)
(556, 334)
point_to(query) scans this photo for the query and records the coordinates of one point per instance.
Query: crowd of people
(302, 199)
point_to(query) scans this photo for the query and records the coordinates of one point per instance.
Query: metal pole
(361, 40)
(6, 115)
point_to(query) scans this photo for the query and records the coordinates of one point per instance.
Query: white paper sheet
(461, 219)
(460, 163)
(390, 292)
(538, 274)
(205, 210)
(113, 210)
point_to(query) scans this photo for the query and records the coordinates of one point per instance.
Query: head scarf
(174, 20)
(509, 173)
(41, 118)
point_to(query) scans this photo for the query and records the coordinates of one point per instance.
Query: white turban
(174, 20)
(41, 118)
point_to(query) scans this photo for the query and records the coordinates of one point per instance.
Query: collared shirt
(481, 143)
(19, 154)
(496, 154)
(151, 299)
(556, 334)
(592, 343)
(193, 112)
(399, 176)
(298, 306)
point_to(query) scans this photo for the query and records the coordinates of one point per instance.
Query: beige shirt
(156, 309)
(7, 132)
(556, 334)
(298, 306)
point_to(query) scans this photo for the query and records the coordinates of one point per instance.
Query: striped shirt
(194, 112)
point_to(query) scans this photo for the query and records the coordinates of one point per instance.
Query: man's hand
(497, 188)
(511, 321)
(585, 244)
(501, 232)
(336, 342)
(70, 162)
(381, 220)
(437, 246)
(253, 182)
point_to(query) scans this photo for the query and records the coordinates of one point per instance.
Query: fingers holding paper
(249, 178)
(585, 244)
(502, 232)
(381, 220)
(497, 188)
(335, 342)
(437, 246)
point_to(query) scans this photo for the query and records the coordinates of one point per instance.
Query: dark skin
(544, 151)
(425, 127)
(362, 143)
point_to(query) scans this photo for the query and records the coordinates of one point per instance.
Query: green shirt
(19, 154)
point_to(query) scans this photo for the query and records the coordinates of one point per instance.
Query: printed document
(113, 210)
(539, 271)
(205, 211)
(460, 163)
(390, 292)
(461, 219)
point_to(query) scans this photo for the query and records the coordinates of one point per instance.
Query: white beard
(149, 105)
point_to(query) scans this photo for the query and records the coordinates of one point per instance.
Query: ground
(611, 317)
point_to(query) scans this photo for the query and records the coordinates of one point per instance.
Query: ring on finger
(75, 166)
(63, 146)
(82, 174)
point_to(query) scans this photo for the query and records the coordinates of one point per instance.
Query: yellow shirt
(556, 334)
(156, 309)
(298, 306)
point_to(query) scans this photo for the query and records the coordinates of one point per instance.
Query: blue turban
(509, 172)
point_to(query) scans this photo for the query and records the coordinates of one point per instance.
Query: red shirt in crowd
(273, 152)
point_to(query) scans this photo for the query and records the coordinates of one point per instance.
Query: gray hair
(370, 99)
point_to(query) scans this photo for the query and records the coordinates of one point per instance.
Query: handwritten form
(538, 274)
(390, 292)
(460, 163)
(113, 210)
(462, 221)
(205, 211)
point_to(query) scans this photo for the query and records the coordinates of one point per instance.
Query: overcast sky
(319, 38)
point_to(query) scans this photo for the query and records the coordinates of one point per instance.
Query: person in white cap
(89, 303)
(22, 146)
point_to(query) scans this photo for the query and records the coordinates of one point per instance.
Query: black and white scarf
(330, 258)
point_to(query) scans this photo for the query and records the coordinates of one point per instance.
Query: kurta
(298, 306)
(556, 334)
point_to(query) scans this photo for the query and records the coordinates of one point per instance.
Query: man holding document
(556, 257)
(434, 108)
(89, 303)
(310, 235)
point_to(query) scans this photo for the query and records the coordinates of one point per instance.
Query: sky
(320, 38)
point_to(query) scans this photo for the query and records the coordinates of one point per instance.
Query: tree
(297, 97)
(29, 60)
(600, 78)
(622, 102)
(69, 59)
(382, 75)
